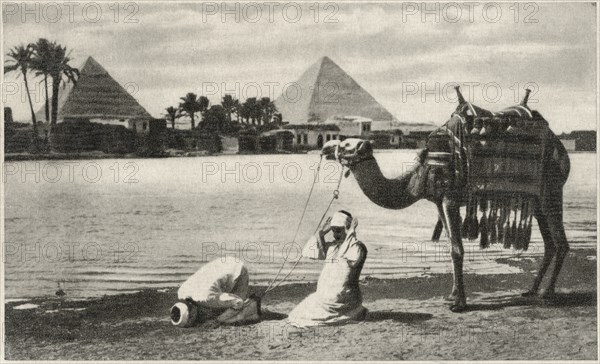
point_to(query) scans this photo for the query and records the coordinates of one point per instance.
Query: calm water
(110, 226)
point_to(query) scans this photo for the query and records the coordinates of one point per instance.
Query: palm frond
(11, 68)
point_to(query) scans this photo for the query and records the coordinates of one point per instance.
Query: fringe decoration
(473, 223)
(492, 222)
(506, 229)
(500, 221)
(505, 220)
(519, 229)
(527, 239)
(483, 228)
(513, 229)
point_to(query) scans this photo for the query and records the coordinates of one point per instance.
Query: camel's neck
(396, 193)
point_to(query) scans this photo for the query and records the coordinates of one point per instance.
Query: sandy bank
(408, 319)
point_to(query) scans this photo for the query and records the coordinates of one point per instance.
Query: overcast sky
(162, 51)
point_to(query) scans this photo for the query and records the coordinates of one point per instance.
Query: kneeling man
(217, 291)
(338, 298)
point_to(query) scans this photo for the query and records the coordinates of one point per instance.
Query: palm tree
(172, 114)
(42, 54)
(242, 112)
(253, 110)
(203, 102)
(190, 106)
(20, 56)
(58, 66)
(215, 119)
(268, 109)
(236, 108)
(228, 104)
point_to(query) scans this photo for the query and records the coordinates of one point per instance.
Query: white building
(351, 126)
(313, 136)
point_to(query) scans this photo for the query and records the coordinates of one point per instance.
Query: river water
(111, 226)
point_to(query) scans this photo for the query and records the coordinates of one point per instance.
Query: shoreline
(510, 261)
(17, 157)
(408, 319)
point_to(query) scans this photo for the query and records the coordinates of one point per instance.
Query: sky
(407, 56)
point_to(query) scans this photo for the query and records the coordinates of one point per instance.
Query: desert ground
(408, 320)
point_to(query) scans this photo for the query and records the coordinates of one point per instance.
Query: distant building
(414, 134)
(276, 140)
(8, 118)
(386, 139)
(351, 126)
(314, 135)
(140, 126)
(579, 140)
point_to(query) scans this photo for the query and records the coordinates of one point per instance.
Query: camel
(411, 186)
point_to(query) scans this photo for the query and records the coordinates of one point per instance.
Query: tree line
(220, 117)
(48, 60)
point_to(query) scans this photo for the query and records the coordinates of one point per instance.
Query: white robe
(217, 284)
(338, 298)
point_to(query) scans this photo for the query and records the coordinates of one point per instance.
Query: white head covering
(340, 219)
(350, 240)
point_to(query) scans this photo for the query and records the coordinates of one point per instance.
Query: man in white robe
(217, 291)
(338, 298)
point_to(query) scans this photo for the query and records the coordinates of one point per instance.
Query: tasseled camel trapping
(498, 160)
(504, 220)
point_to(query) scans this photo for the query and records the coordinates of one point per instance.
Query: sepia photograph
(299, 181)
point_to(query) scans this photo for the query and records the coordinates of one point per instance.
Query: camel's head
(349, 151)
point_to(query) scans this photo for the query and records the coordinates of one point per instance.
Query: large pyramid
(325, 90)
(96, 96)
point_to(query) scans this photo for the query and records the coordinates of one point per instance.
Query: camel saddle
(493, 154)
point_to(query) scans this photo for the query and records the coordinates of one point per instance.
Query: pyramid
(96, 96)
(325, 90)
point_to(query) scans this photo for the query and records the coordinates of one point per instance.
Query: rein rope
(336, 194)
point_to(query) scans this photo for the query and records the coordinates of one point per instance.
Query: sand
(408, 320)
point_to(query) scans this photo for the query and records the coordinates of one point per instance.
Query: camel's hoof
(450, 298)
(456, 308)
(529, 294)
(548, 295)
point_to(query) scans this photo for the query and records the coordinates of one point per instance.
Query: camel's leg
(549, 252)
(437, 231)
(451, 209)
(550, 220)
(444, 223)
(557, 232)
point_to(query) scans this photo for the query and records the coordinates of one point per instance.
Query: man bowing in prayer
(217, 292)
(338, 298)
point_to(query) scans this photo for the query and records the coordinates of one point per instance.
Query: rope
(336, 194)
(298, 227)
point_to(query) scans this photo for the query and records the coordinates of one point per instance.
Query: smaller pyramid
(96, 95)
(325, 90)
